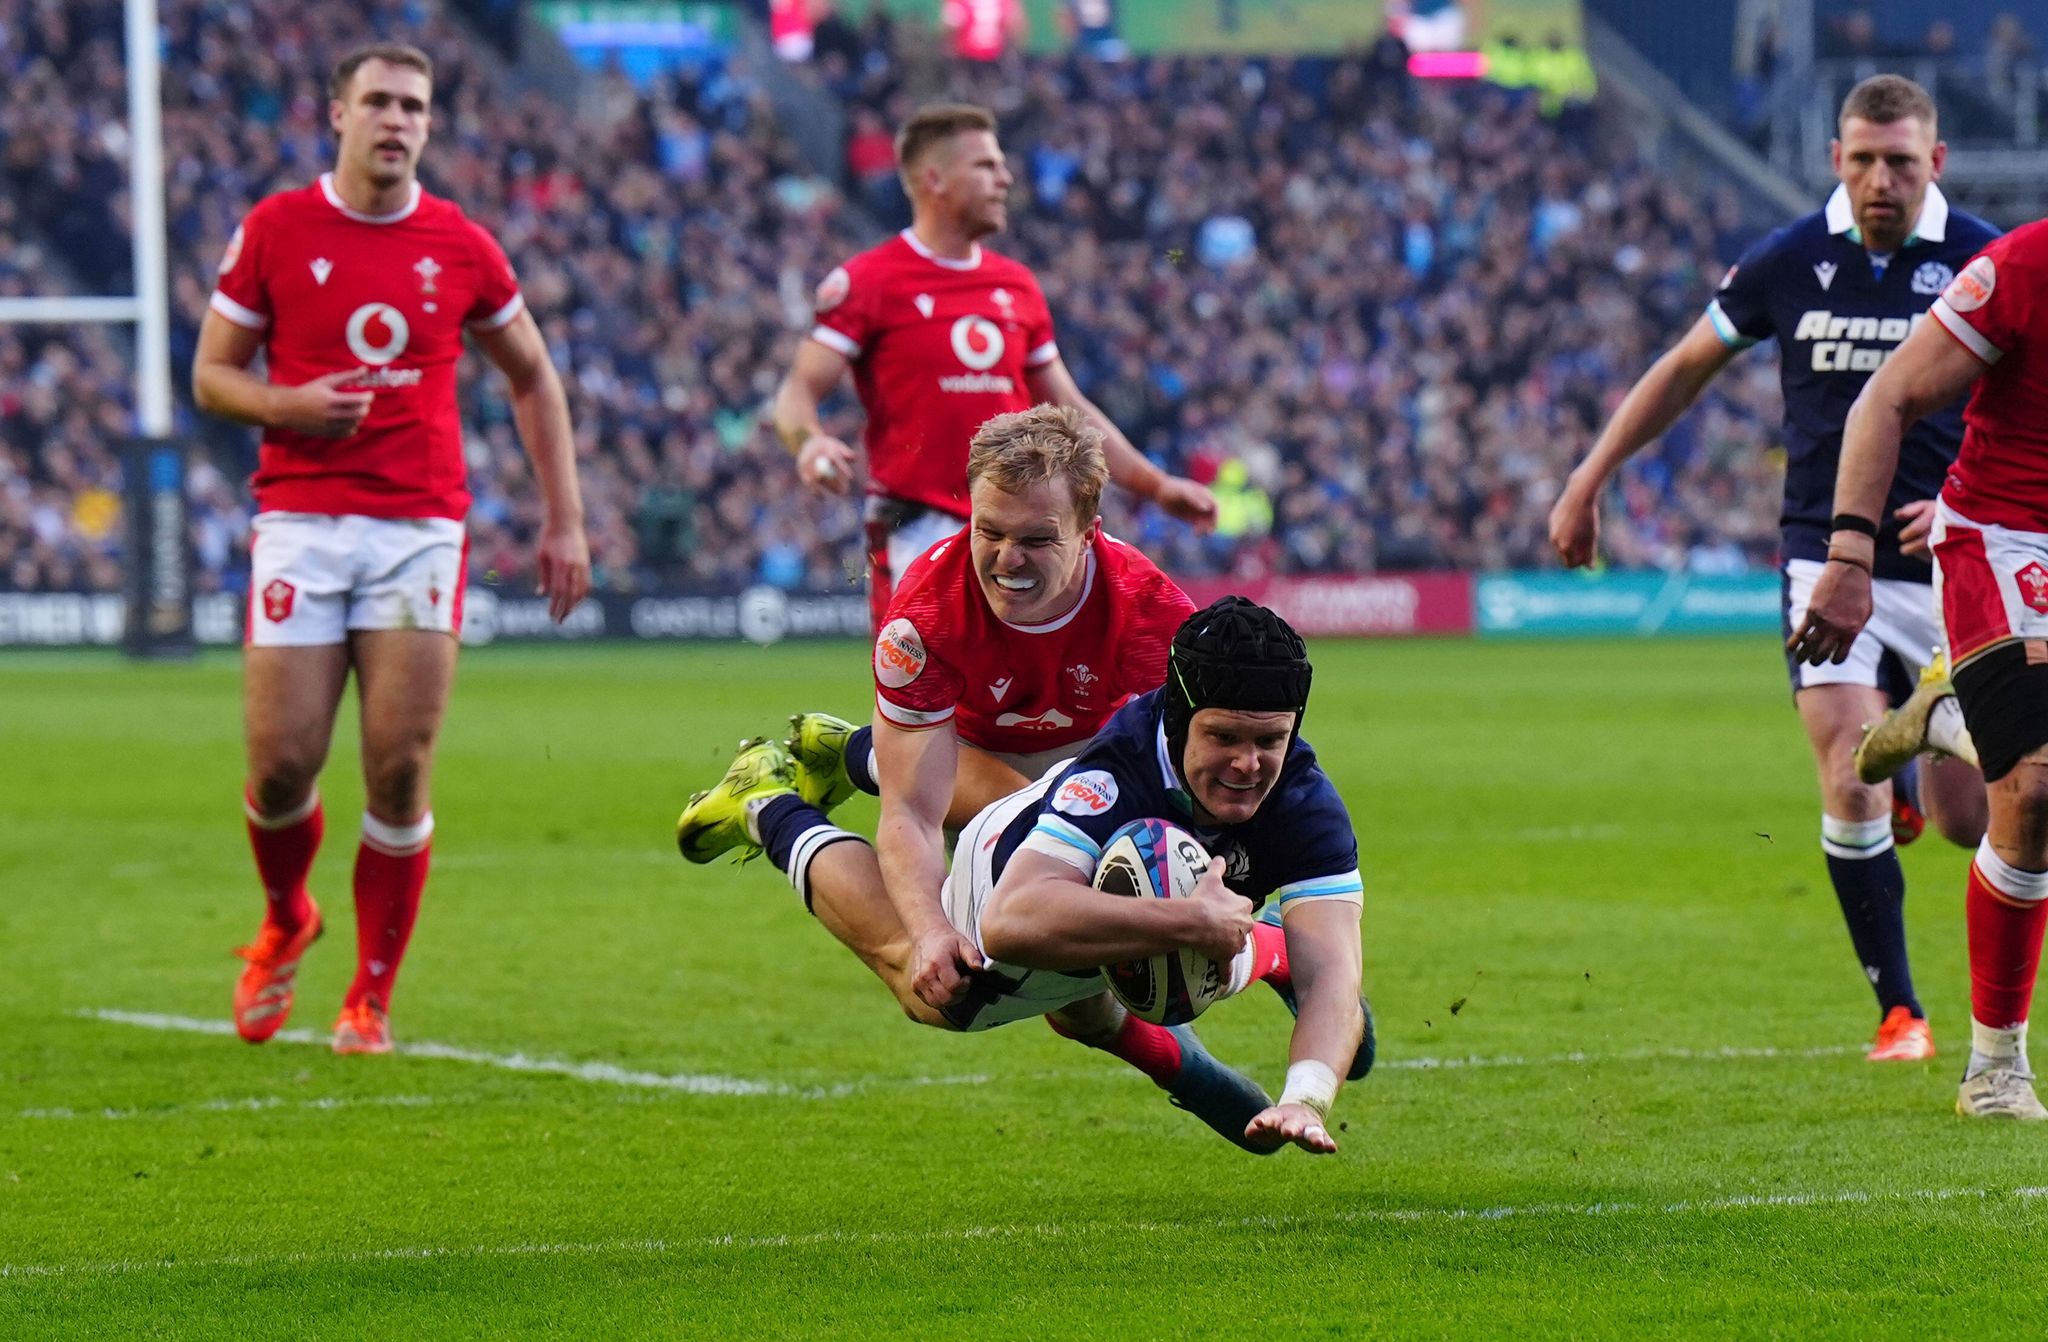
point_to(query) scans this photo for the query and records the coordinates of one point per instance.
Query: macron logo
(322, 268)
(1825, 273)
(925, 304)
(1000, 688)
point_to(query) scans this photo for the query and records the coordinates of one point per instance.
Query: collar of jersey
(334, 199)
(972, 262)
(1931, 226)
(1062, 621)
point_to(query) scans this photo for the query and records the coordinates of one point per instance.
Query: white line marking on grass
(1578, 1058)
(601, 1073)
(254, 1104)
(1740, 1202)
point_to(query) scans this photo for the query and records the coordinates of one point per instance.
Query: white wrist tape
(1311, 1084)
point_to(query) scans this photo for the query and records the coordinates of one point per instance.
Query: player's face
(973, 179)
(382, 122)
(1887, 168)
(1233, 759)
(1030, 551)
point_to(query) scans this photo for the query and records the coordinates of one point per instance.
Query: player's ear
(336, 110)
(1938, 158)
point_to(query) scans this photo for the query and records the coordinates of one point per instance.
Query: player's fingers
(969, 955)
(1316, 1140)
(336, 379)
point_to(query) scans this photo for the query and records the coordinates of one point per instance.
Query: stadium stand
(1385, 348)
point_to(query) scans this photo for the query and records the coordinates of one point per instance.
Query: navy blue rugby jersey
(1299, 846)
(1837, 312)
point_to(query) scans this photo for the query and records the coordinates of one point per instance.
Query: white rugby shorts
(313, 577)
(1992, 582)
(1904, 621)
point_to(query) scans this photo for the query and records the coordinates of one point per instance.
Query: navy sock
(860, 747)
(782, 821)
(1906, 782)
(1872, 893)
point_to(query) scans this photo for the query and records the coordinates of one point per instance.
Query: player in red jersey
(357, 290)
(1008, 646)
(942, 335)
(1989, 336)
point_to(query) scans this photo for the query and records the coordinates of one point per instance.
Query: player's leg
(756, 808)
(1927, 726)
(294, 669)
(1953, 794)
(1863, 864)
(2005, 698)
(404, 677)
(1175, 1061)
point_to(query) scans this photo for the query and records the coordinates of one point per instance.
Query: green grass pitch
(654, 1100)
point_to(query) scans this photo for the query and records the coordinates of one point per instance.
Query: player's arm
(1652, 405)
(1323, 957)
(915, 770)
(1128, 468)
(1044, 914)
(822, 461)
(1929, 370)
(223, 385)
(540, 409)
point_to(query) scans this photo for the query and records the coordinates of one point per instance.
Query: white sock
(1991, 1047)
(1946, 732)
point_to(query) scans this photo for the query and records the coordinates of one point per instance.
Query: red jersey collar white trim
(1060, 622)
(334, 199)
(972, 262)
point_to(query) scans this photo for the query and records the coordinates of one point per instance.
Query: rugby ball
(1151, 859)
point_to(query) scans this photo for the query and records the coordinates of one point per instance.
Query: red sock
(2005, 952)
(284, 847)
(1150, 1048)
(1269, 956)
(391, 870)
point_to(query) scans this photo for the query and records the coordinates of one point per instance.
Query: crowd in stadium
(1384, 347)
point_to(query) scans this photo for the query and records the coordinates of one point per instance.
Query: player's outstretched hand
(563, 561)
(1919, 519)
(1835, 615)
(1188, 501)
(320, 408)
(940, 961)
(1224, 918)
(825, 463)
(1279, 1124)
(1575, 526)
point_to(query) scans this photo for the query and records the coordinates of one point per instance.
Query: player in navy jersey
(1840, 289)
(1217, 751)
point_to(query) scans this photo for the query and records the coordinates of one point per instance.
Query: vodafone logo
(978, 343)
(390, 327)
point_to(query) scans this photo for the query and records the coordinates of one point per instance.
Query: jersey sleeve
(845, 310)
(1741, 308)
(1988, 304)
(1322, 852)
(240, 293)
(1084, 808)
(498, 299)
(1039, 340)
(916, 684)
(1157, 610)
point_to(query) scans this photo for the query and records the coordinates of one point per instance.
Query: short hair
(1883, 99)
(1047, 442)
(391, 53)
(935, 124)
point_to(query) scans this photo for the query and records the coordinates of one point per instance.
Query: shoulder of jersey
(932, 583)
(2028, 242)
(1974, 232)
(995, 263)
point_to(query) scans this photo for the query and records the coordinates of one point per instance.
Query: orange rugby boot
(364, 1027)
(263, 995)
(1904, 1037)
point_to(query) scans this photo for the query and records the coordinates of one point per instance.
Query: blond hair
(1013, 452)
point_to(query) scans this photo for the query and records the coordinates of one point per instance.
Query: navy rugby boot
(1226, 1100)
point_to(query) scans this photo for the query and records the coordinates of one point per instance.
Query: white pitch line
(1741, 1202)
(1577, 1058)
(254, 1104)
(601, 1073)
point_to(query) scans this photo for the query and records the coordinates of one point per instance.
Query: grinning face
(1887, 167)
(1232, 761)
(1030, 552)
(382, 123)
(969, 176)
